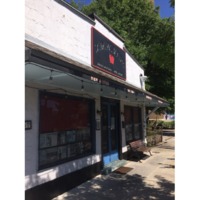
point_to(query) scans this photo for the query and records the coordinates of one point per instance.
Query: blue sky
(165, 9)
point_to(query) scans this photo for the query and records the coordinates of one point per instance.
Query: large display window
(66, 127)
(133, 123)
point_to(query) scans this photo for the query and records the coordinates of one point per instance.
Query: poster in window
(72, 150)
(48, 156)
(62, 138)
(51, 154)
(62, 152)
(48, 139)
(71, 136)
(52, 139)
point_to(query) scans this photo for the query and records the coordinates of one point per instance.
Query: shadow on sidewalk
(122, 187)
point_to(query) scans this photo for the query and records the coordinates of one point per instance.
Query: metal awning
(52, 79)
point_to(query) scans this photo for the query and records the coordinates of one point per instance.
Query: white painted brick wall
(133, 71)
(31, 136)
(56, 26)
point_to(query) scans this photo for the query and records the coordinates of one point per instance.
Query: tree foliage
(172, 3)
(148, 37)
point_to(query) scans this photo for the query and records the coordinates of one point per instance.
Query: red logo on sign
(111, 59)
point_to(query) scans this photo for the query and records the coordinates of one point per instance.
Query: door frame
(118, 125)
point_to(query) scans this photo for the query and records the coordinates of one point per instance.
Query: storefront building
(85, 98)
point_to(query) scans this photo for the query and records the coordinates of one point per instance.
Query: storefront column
(123, 136)
(144, 136)
(98, 120)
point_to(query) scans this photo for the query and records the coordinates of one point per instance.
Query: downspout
(144, 124)
(142, 81)
(144, 132)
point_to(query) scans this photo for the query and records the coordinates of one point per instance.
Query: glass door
(109, 133)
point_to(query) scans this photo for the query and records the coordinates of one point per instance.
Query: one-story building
(85, 97)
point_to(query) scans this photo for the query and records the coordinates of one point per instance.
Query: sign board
(107, 56)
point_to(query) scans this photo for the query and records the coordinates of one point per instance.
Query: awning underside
(45, 78)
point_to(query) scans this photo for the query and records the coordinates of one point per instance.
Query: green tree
(160, 67)
(172, 3)
(128, 18)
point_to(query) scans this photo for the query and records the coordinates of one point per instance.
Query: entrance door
(109, 132)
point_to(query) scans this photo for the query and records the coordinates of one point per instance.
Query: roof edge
(132, 56)
(76, 11)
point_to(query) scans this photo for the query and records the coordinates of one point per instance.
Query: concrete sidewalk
(151, 179)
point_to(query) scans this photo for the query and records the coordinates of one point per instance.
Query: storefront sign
(106, 56)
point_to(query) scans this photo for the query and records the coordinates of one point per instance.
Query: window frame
(91, 140)
(133, 123)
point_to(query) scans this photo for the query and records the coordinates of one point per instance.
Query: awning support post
(156, 108)
(144, 122)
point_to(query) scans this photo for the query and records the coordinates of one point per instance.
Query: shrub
(155, 124)
(169, 124)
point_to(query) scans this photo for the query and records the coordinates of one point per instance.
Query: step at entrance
(113, 166)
